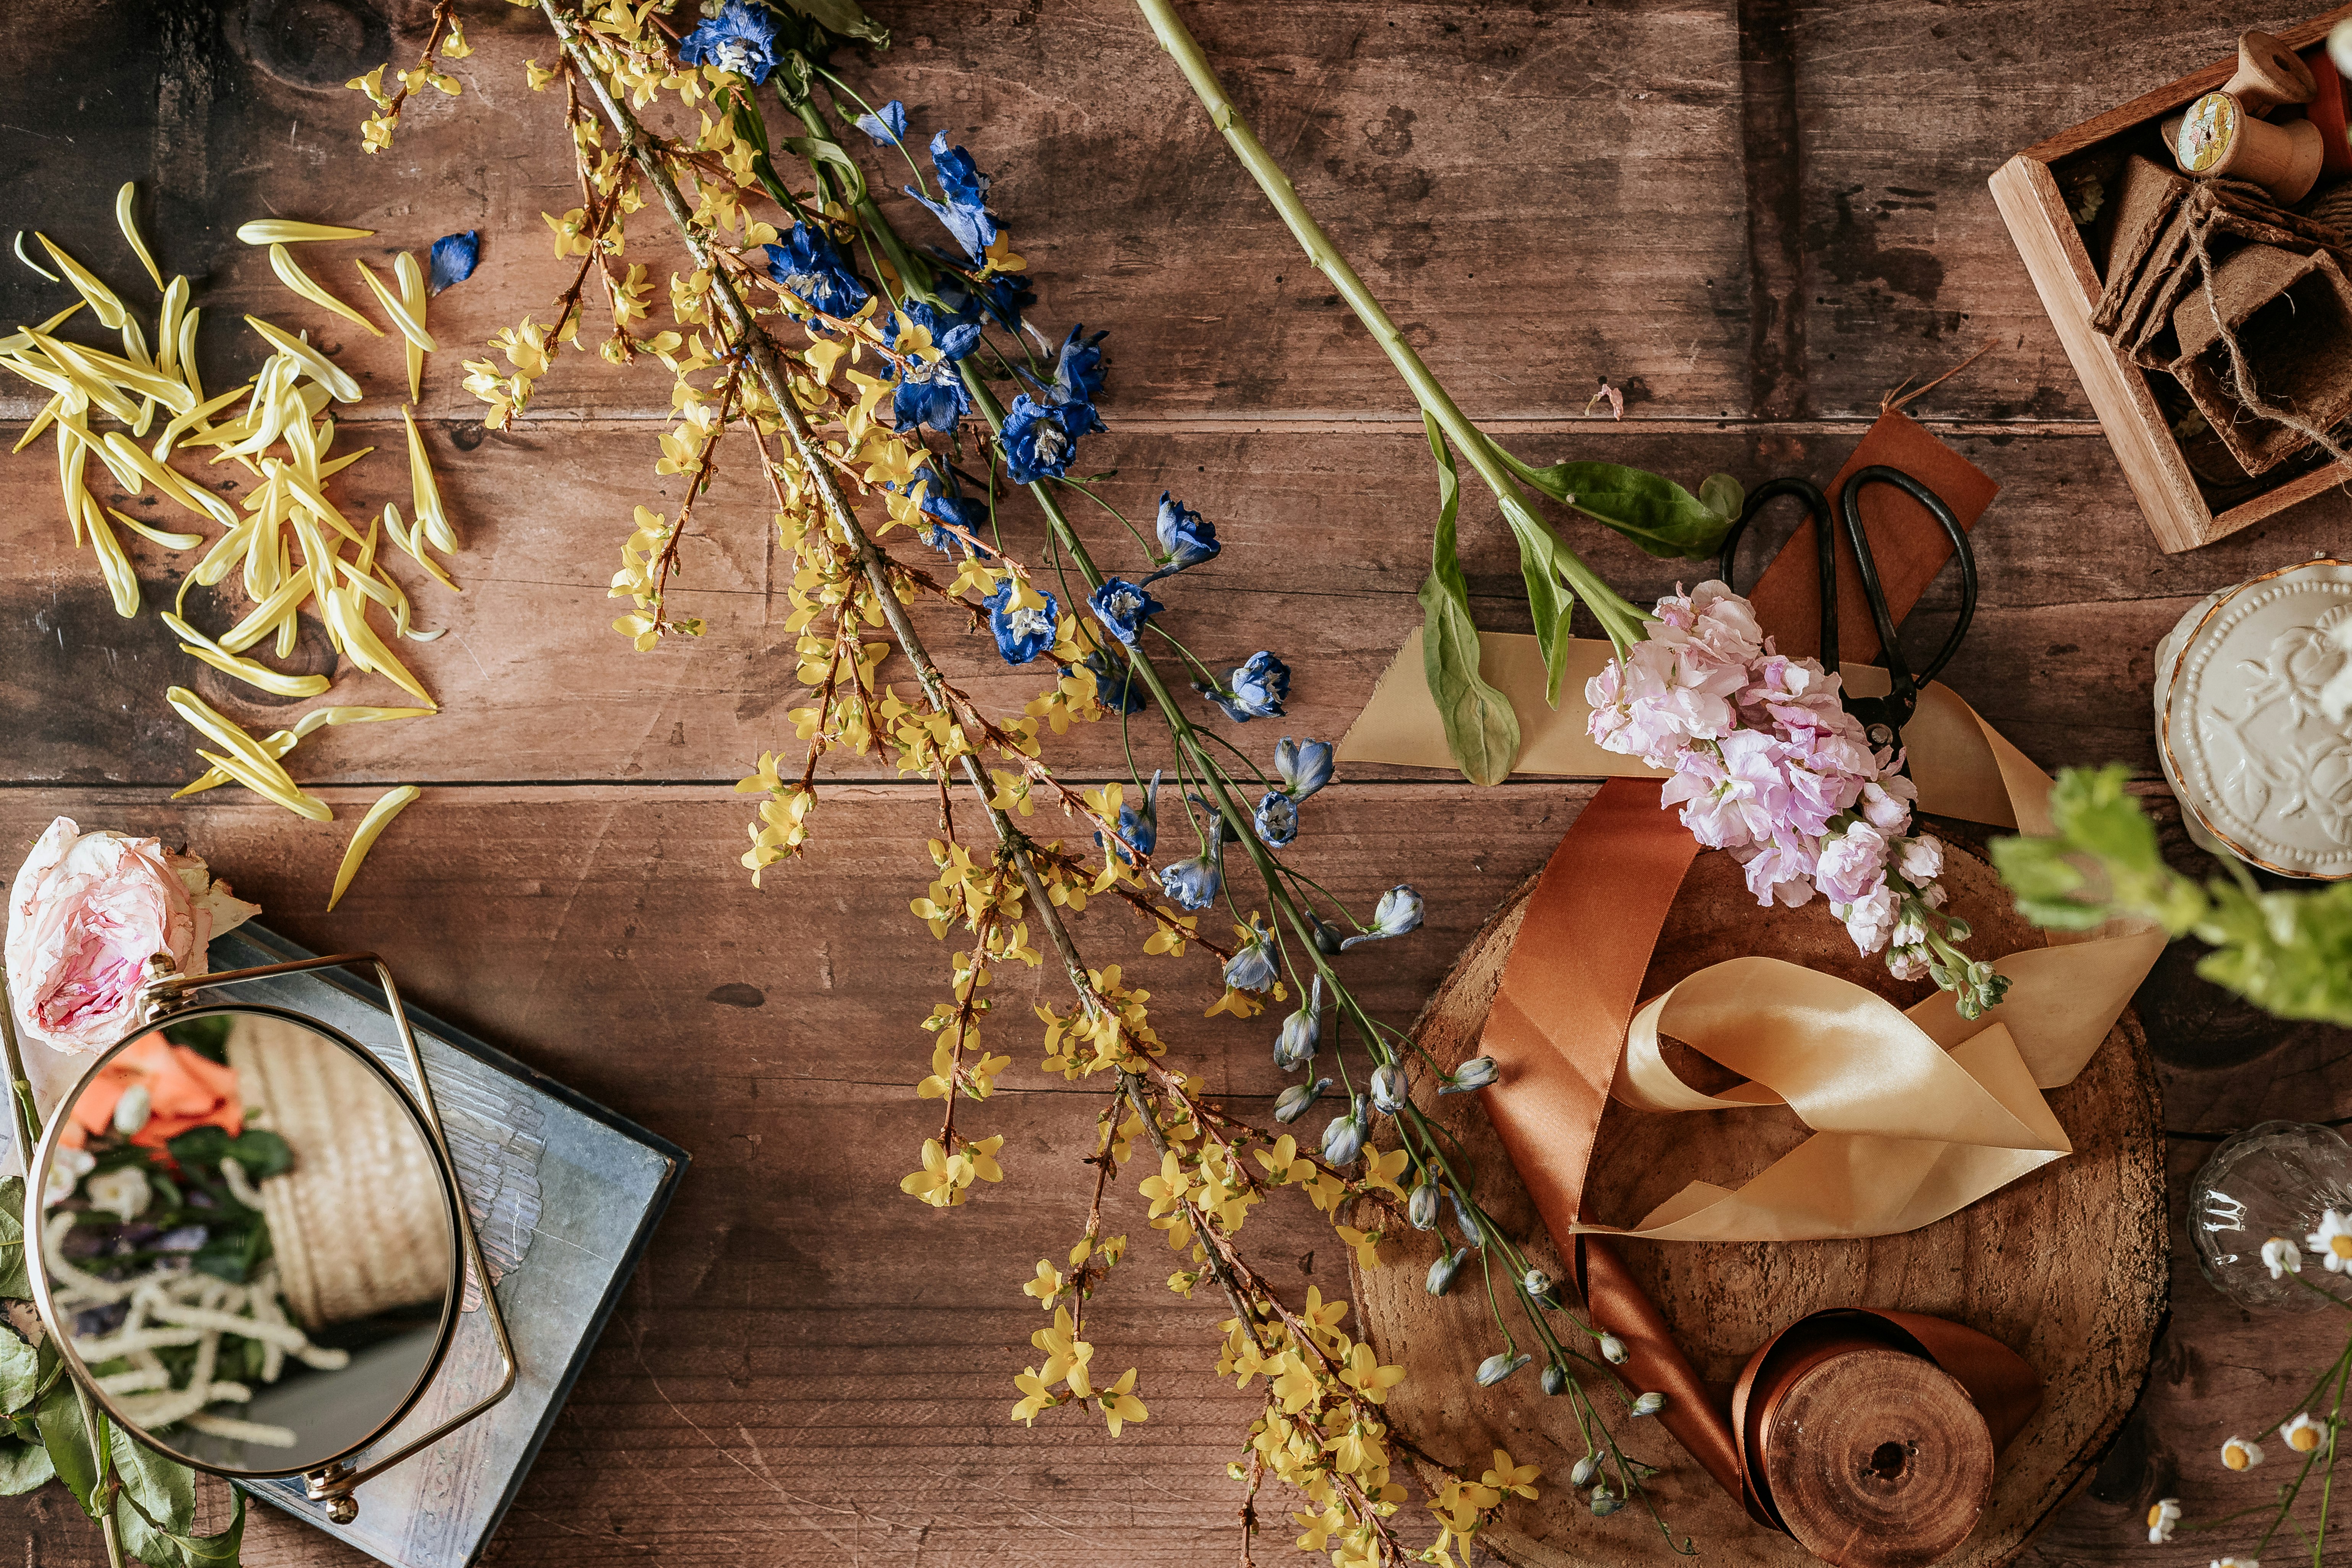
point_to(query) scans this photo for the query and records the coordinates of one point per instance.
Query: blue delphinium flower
(1302, 1032)
(1122, 608)
(964, 213)
(1276, 820)
(1002, 297)
(455, 257)
(1397, 911)
(1115, 686)
(1421, 1208)
(1255, 691)
(1039, 441)
(811, 266)
(1078, 373)
(1389, 1091)
(1138, 825)
(1195, 883)
(1021, 635)
(1304, 765)
(953, 333)
(1500, 1365)
(741, 39)
(886, 125)
(929, 397)
(972, 516)
(1253, 967)
(1185, 537)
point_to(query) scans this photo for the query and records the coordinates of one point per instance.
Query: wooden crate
(2026, 189)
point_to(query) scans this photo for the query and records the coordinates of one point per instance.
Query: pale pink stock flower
(1852, 865)
(1870, 919)
(1921, 860)
(85, 914)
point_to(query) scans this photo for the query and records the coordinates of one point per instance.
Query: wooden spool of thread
(2219, 139)
(1870, 1455)
(2269, 76)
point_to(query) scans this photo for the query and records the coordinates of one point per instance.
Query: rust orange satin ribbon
(1572, 982)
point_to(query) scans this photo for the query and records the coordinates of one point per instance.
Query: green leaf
(14, 1282)
(217, 1551)
(1652, 511)
(1723, 496)
(1548, 598)
(843, 16)
(1482, 732)
(23, 1466)
(164, 1492)
(817, 150)
(261, 1153)
(20, 1372)
(68, 1443)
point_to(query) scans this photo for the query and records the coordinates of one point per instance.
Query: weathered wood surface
(1753, 216)
(2083, 1321)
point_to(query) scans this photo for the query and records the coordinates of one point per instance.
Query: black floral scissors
(1884, 717)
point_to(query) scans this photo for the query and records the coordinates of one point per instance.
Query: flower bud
(1605, 1502)
(1421, 1208)
(1329, 940)
(1389, 1090)
(1469, 1225)
(1581, 1477)
(1498, 1366)
(1650, 1404)
(1343, 1139)
(1612, 1350)
(1535, 1282)
(1442, 1272)
(1292, 1102)
(1302, 1032)
(1476, 1073)
(1555, 1378)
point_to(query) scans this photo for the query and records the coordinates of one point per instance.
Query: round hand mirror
(247, 1245)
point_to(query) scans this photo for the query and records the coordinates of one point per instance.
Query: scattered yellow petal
(31, 263)
(281, 261)
(122, 199)
(378, 818)
(250, 671)
(321, 369)
(102, 301)
(425, 495)
(283, 231)
(121, 582)
(396, 310)
(413, 295)
(164, 537)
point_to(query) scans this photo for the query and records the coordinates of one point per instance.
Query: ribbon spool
(1872, 1446)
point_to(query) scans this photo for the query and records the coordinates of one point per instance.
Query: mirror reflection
(248, 1241)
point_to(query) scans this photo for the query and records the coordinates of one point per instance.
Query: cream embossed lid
(2253, 719)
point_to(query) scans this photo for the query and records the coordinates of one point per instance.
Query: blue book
(564, 1195)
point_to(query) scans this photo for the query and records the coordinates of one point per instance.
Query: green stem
(1618, 619)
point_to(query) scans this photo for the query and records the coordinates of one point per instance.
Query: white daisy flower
(2280, 1257)
(2161, 1518)
(2303, 1434)
(2235, 1562)
(2241, 1453)
(2332, 1241)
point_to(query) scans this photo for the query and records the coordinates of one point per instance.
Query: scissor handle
(1817, 507)
(1906, 687)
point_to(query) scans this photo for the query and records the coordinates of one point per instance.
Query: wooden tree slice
(2066, 1267)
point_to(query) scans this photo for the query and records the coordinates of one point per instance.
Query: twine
(2241, 371)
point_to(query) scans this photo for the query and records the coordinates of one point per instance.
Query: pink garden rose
(86, 913)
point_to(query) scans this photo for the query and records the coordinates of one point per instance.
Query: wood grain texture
(1717, 206)
(2083, 1323)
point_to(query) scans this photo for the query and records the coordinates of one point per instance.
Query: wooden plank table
(1753, 216)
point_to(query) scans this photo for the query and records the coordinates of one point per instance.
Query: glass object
(2270, 1180)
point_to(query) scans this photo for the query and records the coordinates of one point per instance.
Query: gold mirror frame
(166, 997)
